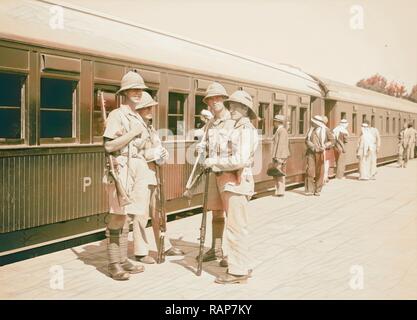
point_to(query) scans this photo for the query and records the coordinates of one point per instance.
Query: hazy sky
(315, 35)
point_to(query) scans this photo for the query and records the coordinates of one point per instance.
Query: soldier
(326, 154)
(280, 153)
(231, 160)
(341, 138)
(407, 136)
(214, 97)
(401, 149)
(122, 128)
(374, 152)
(150, 148)
(365, 152)
(319, 138)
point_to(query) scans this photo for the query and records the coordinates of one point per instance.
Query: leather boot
(229, 278)
(216, 251)
(124, 261)
(115, 269)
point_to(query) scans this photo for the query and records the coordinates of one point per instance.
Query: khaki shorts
(214, 201)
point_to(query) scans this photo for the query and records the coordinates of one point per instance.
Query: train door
(329, 108)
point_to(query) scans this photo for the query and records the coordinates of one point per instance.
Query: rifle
(120, 190)
(196, 175)
(203, 223)
(162, 216)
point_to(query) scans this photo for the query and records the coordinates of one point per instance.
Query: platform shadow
(189, 261)
(93, 255)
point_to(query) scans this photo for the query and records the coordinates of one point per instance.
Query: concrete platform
(358, 240)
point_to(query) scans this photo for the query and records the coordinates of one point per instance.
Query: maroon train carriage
(51, 154)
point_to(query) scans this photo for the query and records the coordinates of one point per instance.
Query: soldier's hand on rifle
(209, 162)
(201, 147)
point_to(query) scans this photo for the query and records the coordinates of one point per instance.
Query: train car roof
(344, 92)
(100, 34)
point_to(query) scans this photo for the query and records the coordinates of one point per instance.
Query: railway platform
(358, 240)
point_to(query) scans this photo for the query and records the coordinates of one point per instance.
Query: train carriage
(51, 154)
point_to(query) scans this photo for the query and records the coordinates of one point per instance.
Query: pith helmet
(215, 89)
(243, 98)
(279, 117)
(131, 80)
(146, 101)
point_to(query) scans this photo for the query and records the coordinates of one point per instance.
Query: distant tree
(375, 83)
(396, 90)
(380, 84)
(413, 94)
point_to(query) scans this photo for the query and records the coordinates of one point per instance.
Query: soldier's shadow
(189, 260)
(93, 255)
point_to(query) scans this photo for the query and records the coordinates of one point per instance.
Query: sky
(343, 40)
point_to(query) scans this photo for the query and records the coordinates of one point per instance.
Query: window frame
(172, 137)
(75, 111)
(266, 118)
(105, 88)
(24, 91)
(305, 121)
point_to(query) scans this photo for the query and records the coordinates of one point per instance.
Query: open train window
(302, 123)
(108, 94)
(394, 123)
(363, 118)
(354, 124)
(291, 119)
(381, 123)
(176, 110)
(57, 112)
(278, 109)
(262, 116)
(387, 125)
(199, 106)
(343, 115)
(12, 97)
(373, 121)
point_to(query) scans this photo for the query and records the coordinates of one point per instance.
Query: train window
(373, 121)
(58, 99)
(291, 119)
(302, 121)
(176, 110)
(108, 93)
(354, 125)
(199, 106)
(387, 125)
(262, 114)
(363, 118)
(342, 115)
(278, 109)
(12, 92)
(394, 123)
(381, 122)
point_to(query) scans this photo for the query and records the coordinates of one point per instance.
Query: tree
(413, 94)
(375, 83)
(380, 84)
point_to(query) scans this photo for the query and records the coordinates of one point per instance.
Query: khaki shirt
(236, 157)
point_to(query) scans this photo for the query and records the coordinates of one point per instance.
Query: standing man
(280, 153)
(341, 135)
(374, 152)
(122, 129)
(150, 148)
(413, 135)
(406, 143)
(326, 153)
(366, 149)
(402, 150)
(319, 138)
(231, 161)
(214, 98)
